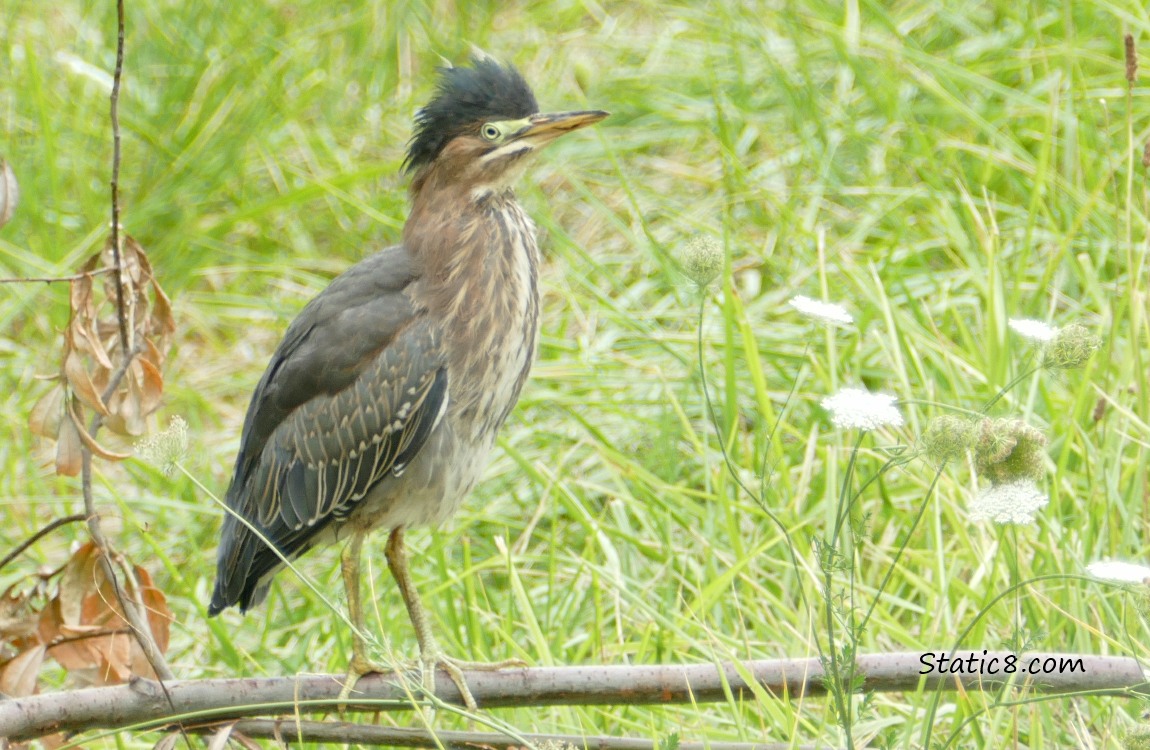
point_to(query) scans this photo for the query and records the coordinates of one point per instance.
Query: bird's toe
(359, 666)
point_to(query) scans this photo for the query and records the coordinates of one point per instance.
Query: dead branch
(130, 601)
(142, 703)
(55, 279)
(38, 536)
(117, 262)
(289, 731)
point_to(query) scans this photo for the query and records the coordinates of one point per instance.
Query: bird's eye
(490, 132)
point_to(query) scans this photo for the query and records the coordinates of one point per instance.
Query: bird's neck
(478, 253)
(480, 268)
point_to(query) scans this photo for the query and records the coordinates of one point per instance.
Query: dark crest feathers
(464, 97)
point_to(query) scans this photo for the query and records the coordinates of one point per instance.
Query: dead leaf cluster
(74, 616)
(94, 356)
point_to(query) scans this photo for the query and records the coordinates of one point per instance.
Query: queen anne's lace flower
(1034, 330)
(1121, 572)
(1015, 502)
(824, 312)
(855, 408)
(167, 448)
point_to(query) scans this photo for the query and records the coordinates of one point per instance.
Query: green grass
(936, 170)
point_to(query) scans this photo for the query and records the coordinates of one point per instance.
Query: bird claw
(455, 668)
(359, 667)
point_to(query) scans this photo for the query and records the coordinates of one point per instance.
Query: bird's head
(483, 125)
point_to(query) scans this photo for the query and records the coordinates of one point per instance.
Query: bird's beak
(542, 129)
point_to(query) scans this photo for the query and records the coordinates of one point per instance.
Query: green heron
(381, 404)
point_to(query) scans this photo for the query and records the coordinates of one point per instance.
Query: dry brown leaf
(83, 339)
(162, 310)
(115, 658)
(151, 385)
(47, 413)
(17, 619)
(18, 677)
(127, 405)
(9, 192)
(93, 353)
(153, 355)
(156, 602)
(251, 744)
(168, 741)
(81, 384)
(77, 577)
(64, 643)
(68, 449)
(85, 627)
(81, 332)
(80, 291)
(87, 439)
(82, 626)
(220, 738)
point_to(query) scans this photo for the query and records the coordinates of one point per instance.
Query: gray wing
(349, 397)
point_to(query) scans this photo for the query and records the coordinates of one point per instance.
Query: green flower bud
(701, 259)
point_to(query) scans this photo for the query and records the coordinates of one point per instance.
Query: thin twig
(131, 602)
(134, 610)
(66, 639)
(55, 279)
(133, 606)
(117, 261)
(113, 384)
(343, 732)
(38, 536)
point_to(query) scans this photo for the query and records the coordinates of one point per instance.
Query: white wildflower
(854, 407)
(1033, 330)
(1121, 572)
(167, 448)
(1015, 502)
(824, 312)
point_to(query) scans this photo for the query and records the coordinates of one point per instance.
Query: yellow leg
(360, 663)
(430, 654)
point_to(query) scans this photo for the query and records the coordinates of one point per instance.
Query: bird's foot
(455, 667)
(360, 666)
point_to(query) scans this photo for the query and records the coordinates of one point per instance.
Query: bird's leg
(360, 663)
(430, 654)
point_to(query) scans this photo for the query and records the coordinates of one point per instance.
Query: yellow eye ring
(490, 132)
